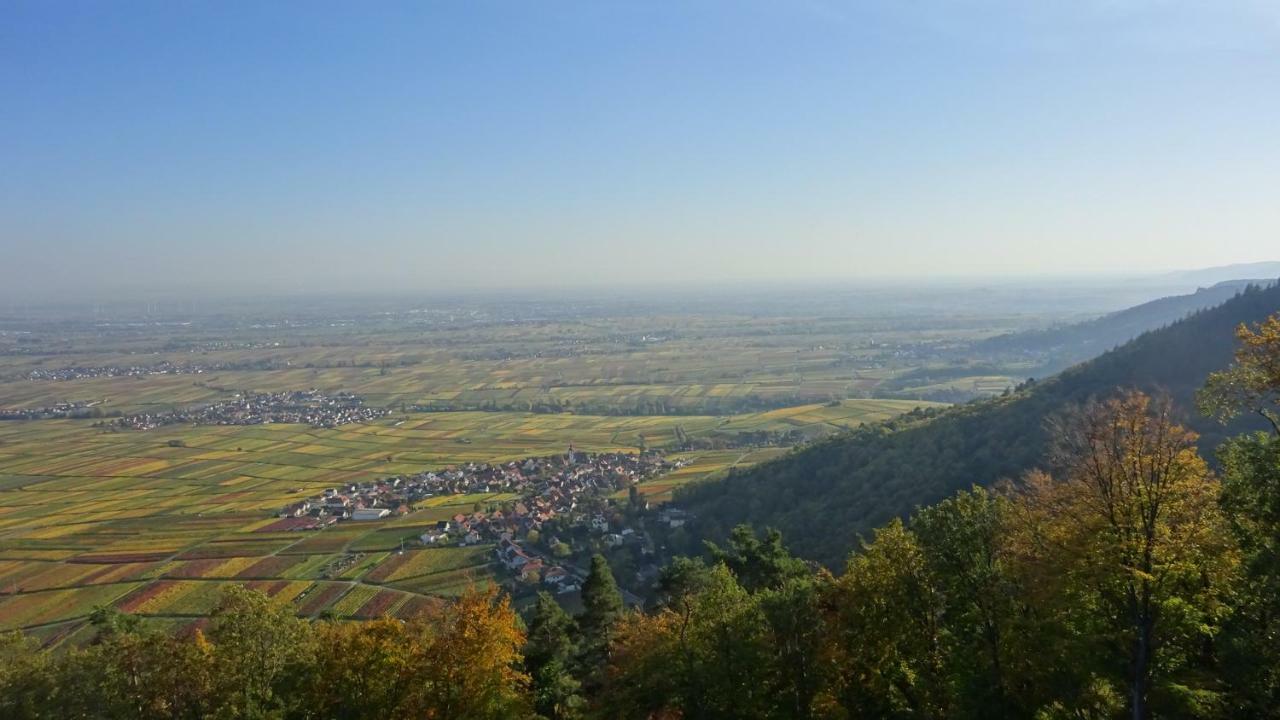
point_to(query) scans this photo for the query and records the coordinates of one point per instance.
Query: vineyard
(156, 523)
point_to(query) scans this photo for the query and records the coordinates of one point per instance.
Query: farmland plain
(157, 522)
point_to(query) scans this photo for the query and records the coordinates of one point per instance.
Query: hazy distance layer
(1054, 297)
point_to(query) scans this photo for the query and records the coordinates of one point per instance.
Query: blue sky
(509, 144)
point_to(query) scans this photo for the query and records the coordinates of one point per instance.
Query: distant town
(79, 372)
(308, 407)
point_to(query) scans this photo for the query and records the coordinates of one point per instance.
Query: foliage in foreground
(259, 661)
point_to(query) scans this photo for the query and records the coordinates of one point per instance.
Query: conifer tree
(548, 656)
(602, 606)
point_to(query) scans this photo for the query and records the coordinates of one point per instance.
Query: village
(558, 495)
(309, 407)
(82, 372)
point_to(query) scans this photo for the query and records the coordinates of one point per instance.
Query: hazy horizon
(340, 287)
(316, 148)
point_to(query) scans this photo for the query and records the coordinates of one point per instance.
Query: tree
(258, 647)
(795, 641)
(27, 679)
(362, 671)
(758, 564)
(704, 654)
(602, 606)
(1251, 502)
(722, 652)
(548, 655)
(154, 674)
(469, 666)
(128, 670)
(642, 678)
(109, 621)
(1252, 383)
(1132, 538)
(886, 639)
(963, 539)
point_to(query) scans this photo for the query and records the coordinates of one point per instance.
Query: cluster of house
(79, 372)
(164, 367)
(531, 568)
(350, 503)
(309, 407)
(526, 564)
(558, 478)
(547, 486)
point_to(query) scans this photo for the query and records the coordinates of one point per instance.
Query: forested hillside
(827, 495)
(1060, 347)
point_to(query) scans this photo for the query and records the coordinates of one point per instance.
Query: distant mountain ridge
(824, 496)
(1063, 346)
(1223, 273)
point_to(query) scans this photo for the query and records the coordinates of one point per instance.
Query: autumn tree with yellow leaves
(1131, 544)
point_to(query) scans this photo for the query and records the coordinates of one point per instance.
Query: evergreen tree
(548, 654)
(758, 564)
(602, 606)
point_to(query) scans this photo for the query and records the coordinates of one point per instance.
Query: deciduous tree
(1252, 383)
(1132, 527)
(885, 615)
(964, 540)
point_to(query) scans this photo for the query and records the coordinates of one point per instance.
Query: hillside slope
(1060, 347)
(824, 496)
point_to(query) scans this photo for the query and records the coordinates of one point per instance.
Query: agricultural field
(969, 385)
(157, 522)
(619, 365)
(157, 527)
